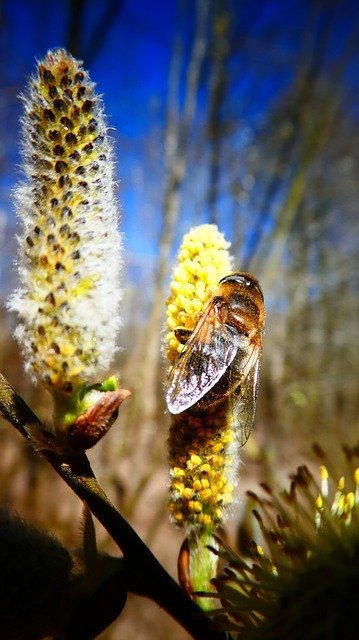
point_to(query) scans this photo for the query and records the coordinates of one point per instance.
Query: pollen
(204, 519)
(203, 259)
(178, 486)
(178, 472)
(205, 468)
(207, 480)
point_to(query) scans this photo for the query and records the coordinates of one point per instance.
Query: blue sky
(131, 71)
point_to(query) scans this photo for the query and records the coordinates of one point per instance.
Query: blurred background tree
(242, 114)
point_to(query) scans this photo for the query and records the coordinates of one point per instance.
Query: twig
(146, 575)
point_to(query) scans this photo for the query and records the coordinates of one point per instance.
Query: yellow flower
(203, 260)
(207, 478)
(201, 447)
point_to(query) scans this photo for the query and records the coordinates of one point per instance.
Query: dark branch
(146, 576)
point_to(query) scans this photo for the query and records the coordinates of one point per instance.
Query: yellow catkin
(208, 479)
(203, 260)
(202, 445)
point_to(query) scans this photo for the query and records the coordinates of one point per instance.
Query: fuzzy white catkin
(70, 254)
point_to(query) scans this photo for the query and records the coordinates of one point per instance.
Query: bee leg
(182, 334)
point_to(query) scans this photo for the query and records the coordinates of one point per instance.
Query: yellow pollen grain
(205, 468)
(172, 308)
(178, 516)
(205, 519)
(182, 301)
(55, 378)
(68, 349)
(189, 289)
(184, 254)
(178, 486)
(171, 323)
(176, 286)
(84, 286)
(177, 471)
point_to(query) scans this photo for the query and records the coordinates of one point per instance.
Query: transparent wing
(244, 396)
(207, 354)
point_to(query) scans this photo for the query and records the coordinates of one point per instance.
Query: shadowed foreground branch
(145, 575)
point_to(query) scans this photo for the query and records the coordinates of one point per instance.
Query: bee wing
(207, 354)
(244, 397)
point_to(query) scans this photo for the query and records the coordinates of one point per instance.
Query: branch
(146, 575)
(15, 410)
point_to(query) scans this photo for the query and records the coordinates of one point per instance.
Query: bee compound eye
(236, 278)
(243, 278)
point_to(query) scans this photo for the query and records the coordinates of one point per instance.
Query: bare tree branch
(146, 577)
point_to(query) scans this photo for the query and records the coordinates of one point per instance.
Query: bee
(219, 365)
